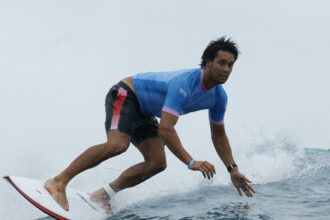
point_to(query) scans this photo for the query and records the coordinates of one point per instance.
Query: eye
(222, 62)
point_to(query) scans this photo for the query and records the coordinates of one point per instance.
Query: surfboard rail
(36, 204)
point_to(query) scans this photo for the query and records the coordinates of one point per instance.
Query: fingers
(247, 180)
(247, 192)
(239, 191)
(205, 167)
(248, 189)
(210, 167)
(242, 183)
(205, 172)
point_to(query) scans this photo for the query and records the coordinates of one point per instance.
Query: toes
(63, 202)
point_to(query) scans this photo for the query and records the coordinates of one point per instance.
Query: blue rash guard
(178, 93)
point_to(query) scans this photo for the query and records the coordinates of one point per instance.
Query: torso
(180, 92)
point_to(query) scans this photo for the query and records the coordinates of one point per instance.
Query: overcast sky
(58, 59)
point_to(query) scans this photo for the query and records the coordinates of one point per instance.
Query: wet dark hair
(219, 44)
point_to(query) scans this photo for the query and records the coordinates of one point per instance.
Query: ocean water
(301, 193)
(304, 195)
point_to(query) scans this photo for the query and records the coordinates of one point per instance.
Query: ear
(207, 61)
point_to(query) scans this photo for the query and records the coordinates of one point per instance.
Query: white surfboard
(81, 207)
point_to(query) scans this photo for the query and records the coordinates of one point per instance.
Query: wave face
(291, 183)
(303, 195)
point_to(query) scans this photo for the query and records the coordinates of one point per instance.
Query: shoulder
(185, 74)
(220, 92)
(221, 97)
(186, 78)
(182, 85)
(168, 76)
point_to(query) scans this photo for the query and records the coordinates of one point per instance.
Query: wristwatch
(231, 166)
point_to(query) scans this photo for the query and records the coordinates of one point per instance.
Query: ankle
(109, 190)
(61, 180)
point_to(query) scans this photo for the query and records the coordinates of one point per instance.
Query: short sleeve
(217, 112)
(176, 96)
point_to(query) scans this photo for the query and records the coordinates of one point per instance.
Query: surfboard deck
(81, 207)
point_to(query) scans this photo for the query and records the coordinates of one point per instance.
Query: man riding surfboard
(132, 106)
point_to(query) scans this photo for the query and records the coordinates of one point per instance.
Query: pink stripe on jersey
(217, 122)
(171, 111)
(201, 83)
(121, 96)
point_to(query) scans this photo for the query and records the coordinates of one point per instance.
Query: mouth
(223, 77)
(223, 81)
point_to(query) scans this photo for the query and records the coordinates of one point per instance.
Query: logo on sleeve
(184, 93)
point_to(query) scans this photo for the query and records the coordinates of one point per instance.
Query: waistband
(126, 87)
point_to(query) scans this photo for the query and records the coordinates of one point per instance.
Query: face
(221, 67)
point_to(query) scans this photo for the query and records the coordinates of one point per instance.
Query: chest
(199, 101)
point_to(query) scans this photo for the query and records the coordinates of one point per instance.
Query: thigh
(117, 137)
(121, 110)
(145, 128)
(153, 150)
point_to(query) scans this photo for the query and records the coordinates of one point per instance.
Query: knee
(162, 166)
(156, 167)
(115, 148)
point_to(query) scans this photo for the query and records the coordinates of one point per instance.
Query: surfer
(132, 106)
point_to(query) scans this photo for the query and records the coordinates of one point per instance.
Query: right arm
(169, 135)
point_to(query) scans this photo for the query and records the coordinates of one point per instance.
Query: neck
(207, 80)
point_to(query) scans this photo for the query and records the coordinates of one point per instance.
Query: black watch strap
(231, 166)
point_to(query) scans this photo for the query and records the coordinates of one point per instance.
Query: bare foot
(102, 199)
(57, 191)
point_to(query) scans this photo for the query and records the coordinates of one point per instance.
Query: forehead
(224, 55)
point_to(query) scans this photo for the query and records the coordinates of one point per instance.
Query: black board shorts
(123, 113)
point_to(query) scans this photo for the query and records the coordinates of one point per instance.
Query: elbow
(163, 131)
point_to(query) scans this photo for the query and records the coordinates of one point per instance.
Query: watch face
(231, 166)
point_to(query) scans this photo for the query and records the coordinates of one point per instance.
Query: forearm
(171, 139)
(222, 146)
(223, 149)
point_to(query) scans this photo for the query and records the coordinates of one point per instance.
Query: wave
(272, 158)
(301, 196)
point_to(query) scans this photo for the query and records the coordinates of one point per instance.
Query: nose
(226, 70)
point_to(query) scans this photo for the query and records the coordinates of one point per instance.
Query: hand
(205, 167)
(241, 182)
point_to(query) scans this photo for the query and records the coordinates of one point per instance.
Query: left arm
(222, 146)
